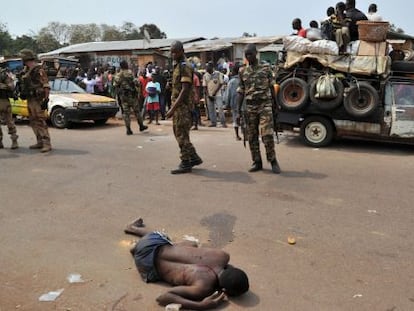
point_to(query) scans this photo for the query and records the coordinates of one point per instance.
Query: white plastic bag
(325, 87)
(326, 47)
(296, 44)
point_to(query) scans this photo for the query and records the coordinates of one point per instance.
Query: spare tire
(361, 100)
(324, 103)
(293, 94)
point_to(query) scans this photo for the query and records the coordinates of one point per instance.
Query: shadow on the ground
(248, 300)
(234, 177)
(304, 174)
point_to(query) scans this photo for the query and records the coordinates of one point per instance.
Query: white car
(69, 103)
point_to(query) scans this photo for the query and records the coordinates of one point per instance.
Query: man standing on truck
(256, 87)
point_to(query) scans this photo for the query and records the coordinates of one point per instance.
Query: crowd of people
(340, 25)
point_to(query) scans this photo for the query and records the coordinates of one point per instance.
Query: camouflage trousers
(259, 117)
(129, 103)
(37, 118)
(182, 122)
(7, 118)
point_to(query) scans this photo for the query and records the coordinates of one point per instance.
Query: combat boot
(142, 128)
(38, 145)
(275, 167)
(128, 130)
(14, 145)
(183, 168)
(195, 160)
(256, 166)
(46, 148)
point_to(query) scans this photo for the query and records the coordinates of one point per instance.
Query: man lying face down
(201, 277)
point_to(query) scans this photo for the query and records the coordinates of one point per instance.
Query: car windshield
(65, 86)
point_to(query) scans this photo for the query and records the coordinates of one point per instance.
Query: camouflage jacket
(255, 82)
(183, 73)
(126, 84)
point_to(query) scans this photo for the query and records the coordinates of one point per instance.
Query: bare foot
(138, 223)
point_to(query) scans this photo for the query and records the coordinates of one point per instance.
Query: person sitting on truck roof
(354, 15)
(313, 33)
(340, 23)
(373, 14)
(297, 25)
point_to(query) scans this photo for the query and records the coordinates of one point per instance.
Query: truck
(373, 98)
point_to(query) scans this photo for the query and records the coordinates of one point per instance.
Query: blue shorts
(145, 253)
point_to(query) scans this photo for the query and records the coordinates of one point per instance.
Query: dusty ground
(348, 206)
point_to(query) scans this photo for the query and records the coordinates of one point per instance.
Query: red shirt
(302, 33)
(143, 81)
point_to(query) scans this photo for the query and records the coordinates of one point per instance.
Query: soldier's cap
(27, 54)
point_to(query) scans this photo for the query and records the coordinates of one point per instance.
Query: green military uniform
(34, 81)
(128, 90)
(182, 119)
(6, 91)
(255, 84)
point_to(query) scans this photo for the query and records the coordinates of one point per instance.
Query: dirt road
(349, 207)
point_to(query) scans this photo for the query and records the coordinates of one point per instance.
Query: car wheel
(58, 118)
(293, 94)
(100, 121)
(323, 103)
(317, 131)
(362, 100)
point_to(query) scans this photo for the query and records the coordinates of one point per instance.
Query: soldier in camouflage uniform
(6, 91)
(35, 88)
(256, 88)
(181, 109)
(128, 89)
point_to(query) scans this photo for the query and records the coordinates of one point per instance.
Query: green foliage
(56, 35)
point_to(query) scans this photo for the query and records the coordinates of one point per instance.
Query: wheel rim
(293, 94)
(59, 119)
(315, 132)
(362, 102)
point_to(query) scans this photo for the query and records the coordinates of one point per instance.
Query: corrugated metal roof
(119, 45)
(258, 40)
(208, 45)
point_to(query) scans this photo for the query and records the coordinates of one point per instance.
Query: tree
(84, 33)
(131, 32)
(111, 33)
(394, 28)
(25, 42)
(60, 32)
(6, 41)
(153, 31)
(47, 42)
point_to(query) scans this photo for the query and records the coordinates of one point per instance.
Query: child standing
(153, 100)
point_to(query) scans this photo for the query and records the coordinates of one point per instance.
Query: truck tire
(362, 100)
(317, 131)
(327, 104)
(293, 94)
(100, 121)
(58, 118)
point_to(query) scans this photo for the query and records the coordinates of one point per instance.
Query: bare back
(184, 265)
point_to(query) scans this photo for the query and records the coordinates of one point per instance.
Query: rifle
(275, 110)
(243, 125)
